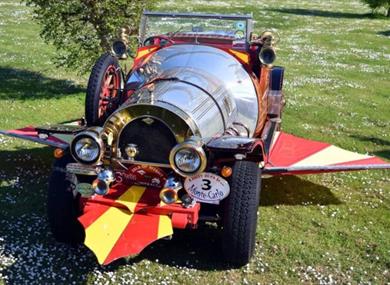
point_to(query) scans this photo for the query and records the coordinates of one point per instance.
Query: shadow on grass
(384, 33)
(30, 254)
(384, 153)
(20, 84)
(322, 13)
(293, 190)
(198, 249)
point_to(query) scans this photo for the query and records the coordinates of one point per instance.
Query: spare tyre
(104, 90)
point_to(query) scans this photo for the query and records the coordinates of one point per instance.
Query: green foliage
(81, 30)
(377, 4)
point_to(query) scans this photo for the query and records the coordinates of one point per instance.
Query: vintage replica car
(184, 137)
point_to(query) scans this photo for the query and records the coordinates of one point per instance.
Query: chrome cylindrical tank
(213, 84)
(206, 89)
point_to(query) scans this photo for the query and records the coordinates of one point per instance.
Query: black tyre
(103, 91)
(63, 204)
(240, 213)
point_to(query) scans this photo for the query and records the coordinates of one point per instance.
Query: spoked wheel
(103, 91)
(109, 90)
(240, 213)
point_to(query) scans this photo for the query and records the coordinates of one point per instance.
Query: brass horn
(101, 185)
(267, 54)
(168, 195)
(120, 46)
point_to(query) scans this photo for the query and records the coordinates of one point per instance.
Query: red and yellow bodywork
(130, 218)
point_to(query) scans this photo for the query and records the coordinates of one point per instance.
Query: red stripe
(28, 131)
(289, 149)
(98, 205)
(365, 161)
(141, 231)
(31, 132)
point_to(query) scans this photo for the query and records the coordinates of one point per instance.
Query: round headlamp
(86, 147)
(188, 158)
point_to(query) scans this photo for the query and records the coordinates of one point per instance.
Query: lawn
(325, 229)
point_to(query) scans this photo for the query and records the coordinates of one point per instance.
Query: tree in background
(81, 30)
(377, 4)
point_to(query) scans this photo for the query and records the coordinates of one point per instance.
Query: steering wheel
(158, 40)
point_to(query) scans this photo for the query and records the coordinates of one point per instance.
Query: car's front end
(167, 129)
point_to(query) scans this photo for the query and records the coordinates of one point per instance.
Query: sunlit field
(325, 229)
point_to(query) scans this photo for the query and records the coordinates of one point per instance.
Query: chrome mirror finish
(213, 96)
(101, 185)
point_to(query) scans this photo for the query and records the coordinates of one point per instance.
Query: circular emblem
(207, 188)
(144, 175)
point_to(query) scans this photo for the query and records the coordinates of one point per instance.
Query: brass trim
(114, 125)
(156, 164)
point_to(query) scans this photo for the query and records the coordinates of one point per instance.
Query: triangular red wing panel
(31, 134)
(293, 155)
(59, 135)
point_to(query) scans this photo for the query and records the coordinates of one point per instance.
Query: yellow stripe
(330, 155)
(131, 197)
(142, 53)
(164, 227)
(102, 235)
(241, 55)
(164, 224)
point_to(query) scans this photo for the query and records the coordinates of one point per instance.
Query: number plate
(207, 188)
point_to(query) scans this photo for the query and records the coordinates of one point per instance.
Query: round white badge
(207, 188)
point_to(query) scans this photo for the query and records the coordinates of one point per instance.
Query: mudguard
(291, 155)
(130, 218)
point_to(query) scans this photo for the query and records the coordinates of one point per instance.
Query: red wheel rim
(108, 90)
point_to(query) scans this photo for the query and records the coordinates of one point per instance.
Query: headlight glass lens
(87, 149)
(187, 160)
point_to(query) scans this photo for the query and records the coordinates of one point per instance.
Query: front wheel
(63, 204)
(240, 213)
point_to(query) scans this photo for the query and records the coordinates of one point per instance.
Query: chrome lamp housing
(188, 158)
(87, 147)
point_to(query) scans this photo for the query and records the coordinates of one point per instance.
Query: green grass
(326, 228)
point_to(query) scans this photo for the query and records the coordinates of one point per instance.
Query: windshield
(232, 27)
